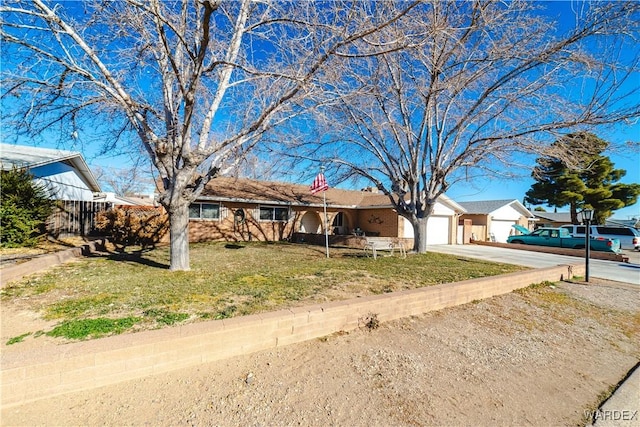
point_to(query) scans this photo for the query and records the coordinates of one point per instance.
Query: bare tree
(480, 85)
(127, 181)
(198, 82)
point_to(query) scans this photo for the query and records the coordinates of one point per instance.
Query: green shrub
(128, 226)
(24, 208)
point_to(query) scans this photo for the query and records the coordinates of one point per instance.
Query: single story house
(64, 174)
(492, 220)
(558, 219)
(235, 209)
(552, 219)
(116, 200)
(614, 222)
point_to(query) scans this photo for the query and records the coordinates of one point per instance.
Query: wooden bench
(375, 244)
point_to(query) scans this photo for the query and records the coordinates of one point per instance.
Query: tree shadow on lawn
(339, 251)
(233, 246)
(361, 254)
(135, 257)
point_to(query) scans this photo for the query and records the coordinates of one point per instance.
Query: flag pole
(320, 184)
(326, 222)
(326, 219)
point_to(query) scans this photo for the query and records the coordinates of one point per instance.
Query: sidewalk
(622, 409)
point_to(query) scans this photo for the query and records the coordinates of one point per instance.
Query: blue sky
(623, 158)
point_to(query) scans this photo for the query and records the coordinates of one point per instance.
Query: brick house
(234, 209)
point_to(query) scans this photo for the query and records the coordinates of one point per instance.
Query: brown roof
(252, 191)
(246, 190)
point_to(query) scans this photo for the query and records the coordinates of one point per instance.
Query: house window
(270, 213)
(204, 211)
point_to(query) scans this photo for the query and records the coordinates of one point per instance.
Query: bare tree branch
(198, 83)
(477, 85)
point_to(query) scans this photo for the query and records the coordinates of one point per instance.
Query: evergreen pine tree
(591, 183)
(24, 208)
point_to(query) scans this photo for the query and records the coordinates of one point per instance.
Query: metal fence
(75, 218)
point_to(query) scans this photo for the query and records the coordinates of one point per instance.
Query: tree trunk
(574, 213)
(179, 236)
(420, 235)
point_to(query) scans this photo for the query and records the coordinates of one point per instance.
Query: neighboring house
(552, 219)
(67, 178)
(64, 174)
(558, 219)
(113, 198)
(492, 220)
(241, 209)
(633, 223)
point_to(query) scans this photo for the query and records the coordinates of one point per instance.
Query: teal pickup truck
(560, 238)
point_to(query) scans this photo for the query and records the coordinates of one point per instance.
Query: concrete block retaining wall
(28, 376)
(18, 271)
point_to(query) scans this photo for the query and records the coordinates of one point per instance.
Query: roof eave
(82, 167)
(270, 202)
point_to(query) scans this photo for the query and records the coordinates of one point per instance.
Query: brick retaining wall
(28, 375)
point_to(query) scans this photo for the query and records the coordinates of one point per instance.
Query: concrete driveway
(611, 270)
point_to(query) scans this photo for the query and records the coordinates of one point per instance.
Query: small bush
(24, 208)
(133, 226)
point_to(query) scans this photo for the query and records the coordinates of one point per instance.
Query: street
(611, 270)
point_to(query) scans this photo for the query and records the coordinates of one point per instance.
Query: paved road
(612, 270)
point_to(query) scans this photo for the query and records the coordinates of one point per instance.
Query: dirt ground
(543, 356)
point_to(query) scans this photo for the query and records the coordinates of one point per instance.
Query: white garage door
(438, 230)
(501, 230)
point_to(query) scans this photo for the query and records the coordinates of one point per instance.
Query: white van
(629, 237)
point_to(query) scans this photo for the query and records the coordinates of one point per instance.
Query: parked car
(629, 237)
(560, 238)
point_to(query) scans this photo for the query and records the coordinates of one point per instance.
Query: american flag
(319, 184)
